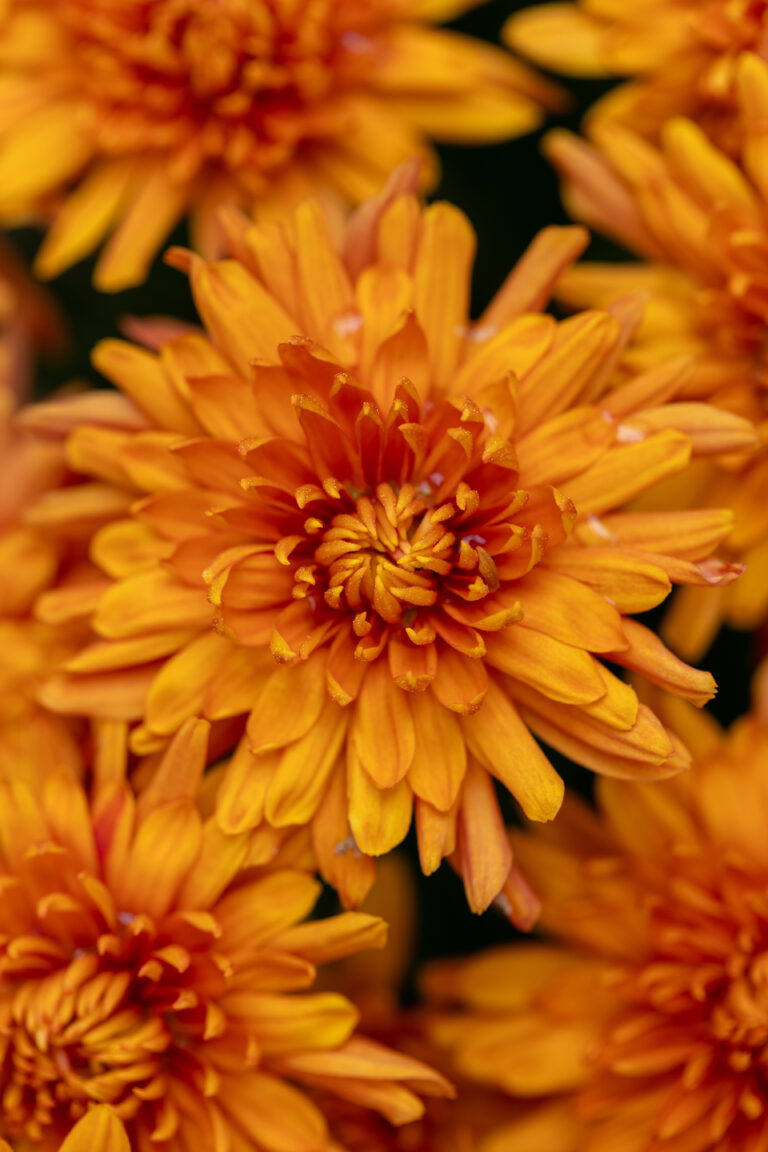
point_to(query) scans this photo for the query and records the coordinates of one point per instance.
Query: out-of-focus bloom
(143, 966)
(701, 222)
(643, 1024)
(30, 559)
(374, 981)
(682, 55)
(393, 539)
(124, 115)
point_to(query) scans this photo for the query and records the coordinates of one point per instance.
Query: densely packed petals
(681, 54)
(390, 539)
(147, 965)
(700, 221)
(643, 1023)
(121, 116)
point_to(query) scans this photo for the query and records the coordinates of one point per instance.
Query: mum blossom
(391, 542)
(642, 1024)
(123, 116)
(681, 56)
(145, 966)
(700, 221)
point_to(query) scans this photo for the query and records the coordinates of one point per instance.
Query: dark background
(509, 193)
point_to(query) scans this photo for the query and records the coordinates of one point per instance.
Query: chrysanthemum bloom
(393, 538)
(681, 55)
(701, 222)
(144, 966)
(643, 1024)
(124, 115)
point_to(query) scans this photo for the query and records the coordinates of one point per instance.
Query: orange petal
(179, 688)
(440, 757)
(151, 601)
(436, 834)
(556, 604)
(84, 217)
(379, 818)
(529, 286)
(141, 375)
(297, 786)
(483, 850)
(156, 208)
(688, 535)
(289, 704)
(649, 656)
(629, 581)
(382, 707)
(460, 683)
(506, 749)
(165, 845)
(274, 1115)
(557, 670)
(627, 471)
(243, 789)
(99, 1130)
(340, 860)
(441, 285)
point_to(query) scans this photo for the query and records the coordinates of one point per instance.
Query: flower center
(389, 552)
(226, 79)
(100, 1008)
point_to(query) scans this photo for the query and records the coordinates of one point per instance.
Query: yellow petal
(84, 217)
(379, 818)
(151, 601)
(42, 152)
(483, 850)
(299, 782)
(558, 670)
(441, 285)
(649, 656)
(158, 205)
(99, 1130)
(561, 37)
(141, 375)
(274, 1115)
(382, 706)
(440, 757)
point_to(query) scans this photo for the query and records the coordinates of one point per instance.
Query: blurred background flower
(146, 966)
(641, 1022)
(120, 117)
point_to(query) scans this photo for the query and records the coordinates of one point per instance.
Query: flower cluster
(350, 577)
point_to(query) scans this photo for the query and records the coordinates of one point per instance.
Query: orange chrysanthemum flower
(365, 533)
(125, 115)
(681, 54)
(143, 965)
(643, 1024)
(701, 221)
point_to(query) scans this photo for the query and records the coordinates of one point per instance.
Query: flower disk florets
(403, 522)
(143, 967)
